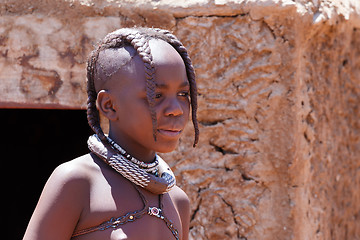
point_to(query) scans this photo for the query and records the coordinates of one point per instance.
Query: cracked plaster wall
(278, 83)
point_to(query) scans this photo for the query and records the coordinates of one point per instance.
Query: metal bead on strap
(158, 212)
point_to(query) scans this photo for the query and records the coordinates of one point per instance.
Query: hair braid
(141, 45)
(179, 47)
(92, 112)
(93, 116)
(138, 38)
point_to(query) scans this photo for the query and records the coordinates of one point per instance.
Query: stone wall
(279, 87)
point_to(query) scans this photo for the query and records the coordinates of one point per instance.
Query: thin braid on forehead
(141, 45)
(179, 47)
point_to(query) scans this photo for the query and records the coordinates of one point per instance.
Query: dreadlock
(138, 38)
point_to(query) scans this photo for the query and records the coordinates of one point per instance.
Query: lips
(170, 132)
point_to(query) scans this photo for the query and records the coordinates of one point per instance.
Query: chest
(117, 198)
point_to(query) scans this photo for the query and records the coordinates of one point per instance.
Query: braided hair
(138, 38)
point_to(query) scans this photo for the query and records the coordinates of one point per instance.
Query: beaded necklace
(159, 184)
(148, 167)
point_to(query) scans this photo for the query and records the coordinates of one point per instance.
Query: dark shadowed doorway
(34, 142)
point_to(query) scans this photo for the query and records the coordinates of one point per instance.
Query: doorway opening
(34, 143)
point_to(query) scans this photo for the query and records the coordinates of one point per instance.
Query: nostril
(174, 109)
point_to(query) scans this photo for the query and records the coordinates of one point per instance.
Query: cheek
(186, 109)
(134, 115)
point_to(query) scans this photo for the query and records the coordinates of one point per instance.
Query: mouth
(170, 132)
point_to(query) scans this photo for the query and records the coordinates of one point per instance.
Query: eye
(158, 95)
(183, 94)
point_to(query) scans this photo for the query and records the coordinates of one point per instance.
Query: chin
(166, 147)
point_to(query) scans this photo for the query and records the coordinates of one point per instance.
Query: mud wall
(279, 152)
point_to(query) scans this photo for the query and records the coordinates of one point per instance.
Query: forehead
(169, 66)
(127, 68)
(164, 54)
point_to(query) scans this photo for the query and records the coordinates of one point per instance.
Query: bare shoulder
(182, 203)
(67, 188)
(72, 179)
(81, 168)
(180, 198)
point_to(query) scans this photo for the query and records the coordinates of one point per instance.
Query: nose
(173, 108)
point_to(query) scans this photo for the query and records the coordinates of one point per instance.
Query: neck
(133, 148)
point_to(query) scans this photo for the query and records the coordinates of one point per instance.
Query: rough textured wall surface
(279, 86)
(330, 148)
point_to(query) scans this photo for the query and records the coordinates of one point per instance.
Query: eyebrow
(165, 86)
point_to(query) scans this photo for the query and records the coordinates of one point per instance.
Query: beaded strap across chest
(131, 217)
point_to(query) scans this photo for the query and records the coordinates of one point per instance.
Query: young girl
(143, 82)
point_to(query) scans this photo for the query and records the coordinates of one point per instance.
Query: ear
(104, 103)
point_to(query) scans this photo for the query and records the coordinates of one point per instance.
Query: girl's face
(131, 126)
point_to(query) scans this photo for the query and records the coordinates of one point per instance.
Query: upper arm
(183, 206)
(59, 206)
